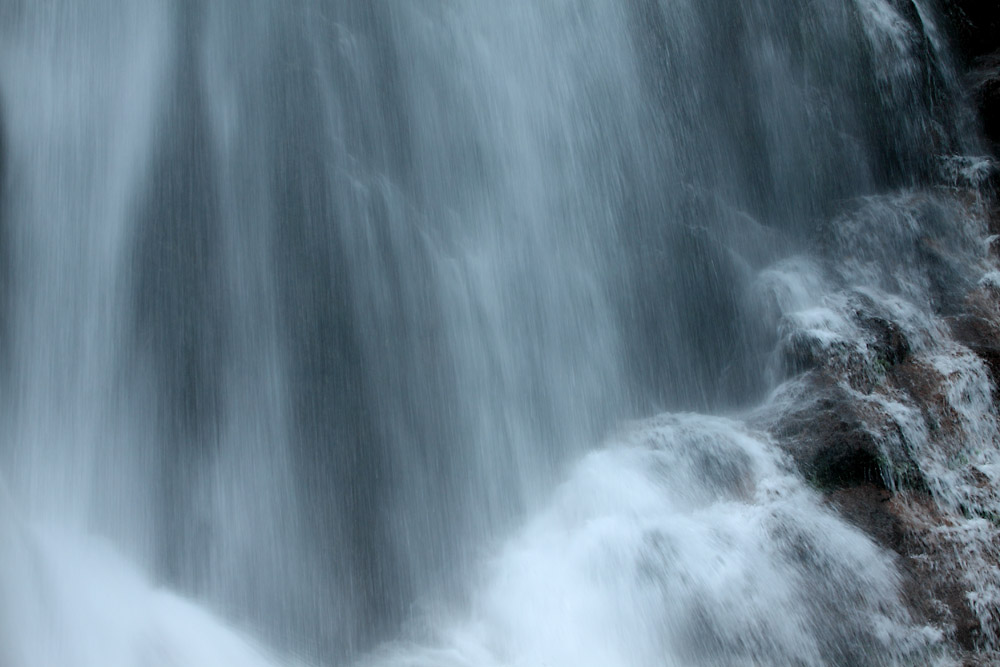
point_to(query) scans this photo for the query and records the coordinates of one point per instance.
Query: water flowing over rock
(895, 418)
(611, 333)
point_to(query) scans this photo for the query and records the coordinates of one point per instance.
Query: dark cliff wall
(974, 27)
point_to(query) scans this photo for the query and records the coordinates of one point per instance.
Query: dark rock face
(975, 27)
(891, 424)
(979, 328)
(975, 30)
(986, 92)
(831, 441)
(930, 587)
(894, 415)
(860, 457)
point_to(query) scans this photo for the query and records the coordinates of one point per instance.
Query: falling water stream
(348, 322)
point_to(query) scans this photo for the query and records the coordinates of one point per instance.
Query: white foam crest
(72, 600)
(688, 542)
(892, 37)
(970, 395)
(795, 284)
(974, 170)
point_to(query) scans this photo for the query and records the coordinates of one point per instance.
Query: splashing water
(314, 314)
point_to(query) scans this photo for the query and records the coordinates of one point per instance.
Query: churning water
(334, 318)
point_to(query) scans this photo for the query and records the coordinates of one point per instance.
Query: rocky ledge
(891, 408)
(891, 403)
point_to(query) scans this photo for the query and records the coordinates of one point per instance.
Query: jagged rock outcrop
(892, 406)
(892, 409)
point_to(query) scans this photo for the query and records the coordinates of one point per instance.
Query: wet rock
(802, 351)
(933, 584)
(886, 428)
(857, 458)
(974, 26)
(978, 327)
(891, 346)
(867, 507)
(839, 442)
(986, 94)
(980, 335)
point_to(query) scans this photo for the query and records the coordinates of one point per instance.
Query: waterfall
(453, 333)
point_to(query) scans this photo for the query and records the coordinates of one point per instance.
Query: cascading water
(307, 306)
